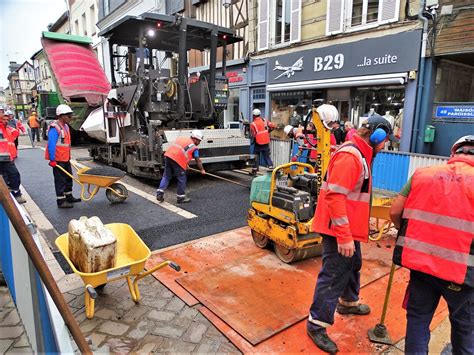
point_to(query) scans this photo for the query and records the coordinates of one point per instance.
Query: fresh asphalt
(218, 205)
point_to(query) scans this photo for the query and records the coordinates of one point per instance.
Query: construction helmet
(328, 114)
(256, 112)
(63, 110)
(197, 134)
(288, 129)
(8, 113)
(461, 142)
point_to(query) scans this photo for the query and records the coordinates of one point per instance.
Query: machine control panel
(221, 93)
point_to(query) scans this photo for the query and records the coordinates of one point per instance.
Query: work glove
(52, 164)
(294, 158)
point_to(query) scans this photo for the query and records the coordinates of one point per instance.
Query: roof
(75, 67)
(126, 32)
(59, 22)
(25, 63)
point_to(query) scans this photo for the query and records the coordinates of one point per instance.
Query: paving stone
(175, 346)
(68, 297)
(22, 342)
(11, 319)
(10, 304)
(11, 332)
(78, 302)
(163, 316)
(207, 347)
(188, 313)
(136, 313)
(5, 344)
(141, 330)
(113, 328)
(96, 339)
(227, 347)
(121, 346)
(4, 312)
(168, 330)
(106, 313)
(153, 302)
(182, 322)
(195, 333)
(90, 324)
(4, 296)
(175, 305)
(77, 291)
(25, 350)
(149, 344)
(166, 293)
(213, 332)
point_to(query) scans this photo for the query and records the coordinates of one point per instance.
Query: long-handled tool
(379, 334)
(221, 178)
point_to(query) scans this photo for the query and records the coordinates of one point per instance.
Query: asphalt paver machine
(283, 202)
(154, 100)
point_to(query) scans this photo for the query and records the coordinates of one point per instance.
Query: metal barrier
(44, 325)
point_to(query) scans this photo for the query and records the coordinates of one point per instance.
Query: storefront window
(232, 112)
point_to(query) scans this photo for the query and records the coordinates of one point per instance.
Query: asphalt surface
(219, 206)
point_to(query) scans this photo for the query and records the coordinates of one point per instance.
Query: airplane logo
(288, 71)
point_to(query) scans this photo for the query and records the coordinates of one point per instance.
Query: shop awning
(368, 80)
(76, 68)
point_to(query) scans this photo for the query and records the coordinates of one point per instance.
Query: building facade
(21, 82)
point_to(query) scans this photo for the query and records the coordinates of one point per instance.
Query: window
(353, 15)
(92, 19)
(76, 27)
(279, 23)
(84, 24)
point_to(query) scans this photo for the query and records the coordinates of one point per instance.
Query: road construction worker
(15, 124)
(260, 131)
(434, 213)
(177, 158)
(34, 124)
(58, 152)
(343, 220)
(8, 170)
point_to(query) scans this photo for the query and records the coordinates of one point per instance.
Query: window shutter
(263, 24)
(389, 11)
(295, 24)
(335, 13)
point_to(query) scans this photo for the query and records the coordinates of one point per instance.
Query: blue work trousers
(264, 152)
(11, 175)
(173, 169)
(424, 292)
(62, 182)
(339, 277)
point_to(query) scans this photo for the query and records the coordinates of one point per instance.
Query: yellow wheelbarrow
(114, 191)
(131, 257)
(380, 209)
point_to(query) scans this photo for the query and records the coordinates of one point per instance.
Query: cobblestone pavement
(13, 338)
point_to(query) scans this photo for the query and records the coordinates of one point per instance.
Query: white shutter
(263, 24)
(334, 17)
(295, 24)
(389, 11)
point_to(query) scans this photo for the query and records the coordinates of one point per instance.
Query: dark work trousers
(11, 176)
(35, 133)
(264, 151)
(173, 169)
(424, 292)
(62, 182)
(339, 277)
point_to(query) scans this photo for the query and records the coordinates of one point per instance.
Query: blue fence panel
(390, 171)
(6, 252)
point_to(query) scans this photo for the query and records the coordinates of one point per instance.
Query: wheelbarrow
(114, 191)
(380, 209)
(131, 257)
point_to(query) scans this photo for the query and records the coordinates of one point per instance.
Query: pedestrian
(350, 130)
(34, 124)
(177, 158)
(58, 152)
(260, 131)
(342, 212)
(434, 213)
(8, 170)
(338, 133)
(15, 124)
(296, 133)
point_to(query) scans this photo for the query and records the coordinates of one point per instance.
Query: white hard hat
(9, 113)
(196, 133)
(288, 129)
(63, 110)
(256, 112)
(462, 141)
(328, 114)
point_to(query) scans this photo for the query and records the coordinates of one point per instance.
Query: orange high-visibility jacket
(63, 145)
(7, 143)
(33, 121)
(437, 233)
(259, 128)
(343, 207)
(181, 151)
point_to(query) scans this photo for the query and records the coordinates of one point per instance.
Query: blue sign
(454, 111)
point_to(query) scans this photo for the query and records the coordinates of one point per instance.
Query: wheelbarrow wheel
(119, 189)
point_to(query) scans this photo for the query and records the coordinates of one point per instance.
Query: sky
(21, 24)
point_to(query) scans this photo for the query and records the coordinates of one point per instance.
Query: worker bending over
(434, 213)
(342, 212)
(177, 158)
(58, 153)
(260, 131)
(8, 170)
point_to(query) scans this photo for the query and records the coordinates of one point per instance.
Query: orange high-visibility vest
(181, 151)
(437, 233)
(63, 145)
(351, 223)
(260, 128)
(7, 144)
(33, 121)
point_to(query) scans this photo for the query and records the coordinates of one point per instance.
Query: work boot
(20, 199)
(63, 203)
(160, 197)
(322, 340)
(360, 309)
(184, 200)
(253, 172)
(71, 199)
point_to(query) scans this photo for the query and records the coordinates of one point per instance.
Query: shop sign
(388, 54)
(236, 77)
(458, 111)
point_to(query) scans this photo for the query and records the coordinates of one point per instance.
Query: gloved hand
(52, 164)
(294, 158)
